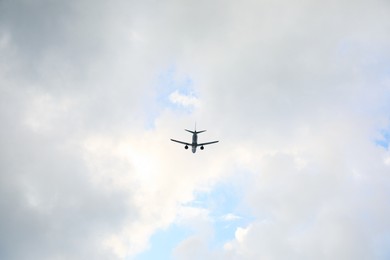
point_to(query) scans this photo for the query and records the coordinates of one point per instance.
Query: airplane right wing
(180, 142)
(213, 142)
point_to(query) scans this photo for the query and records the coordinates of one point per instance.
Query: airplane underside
(194, 143)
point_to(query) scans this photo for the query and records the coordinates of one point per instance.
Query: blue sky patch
(226, 212)
(168, 83)
(164, 241)
(384, 141)
(225, 204)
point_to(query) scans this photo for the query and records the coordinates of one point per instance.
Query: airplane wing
(213, 142)
(180, 142)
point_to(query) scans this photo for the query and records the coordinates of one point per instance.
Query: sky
(297, 93)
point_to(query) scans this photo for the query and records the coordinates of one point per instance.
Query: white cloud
(230, 217)
(387, 160)
(183, 100)
(44, 111)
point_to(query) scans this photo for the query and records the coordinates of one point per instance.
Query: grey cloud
(287, 58)
(49, 208)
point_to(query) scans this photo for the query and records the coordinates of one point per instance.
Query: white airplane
(194, 143)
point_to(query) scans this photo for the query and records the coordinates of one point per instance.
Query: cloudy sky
(297, 92)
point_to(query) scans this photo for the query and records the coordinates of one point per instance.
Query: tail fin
(198, 132)
(192, 132)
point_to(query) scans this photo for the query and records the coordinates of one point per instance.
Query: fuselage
(194, 142)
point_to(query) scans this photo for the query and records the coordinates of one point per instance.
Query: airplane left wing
(180, 142)
(213, 142)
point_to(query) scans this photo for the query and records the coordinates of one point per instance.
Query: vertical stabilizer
(195, 132)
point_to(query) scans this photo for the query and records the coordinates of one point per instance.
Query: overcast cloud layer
(297, 92)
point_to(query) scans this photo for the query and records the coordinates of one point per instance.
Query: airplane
(194, 143)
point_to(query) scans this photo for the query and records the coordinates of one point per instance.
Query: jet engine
(201, 148)
(186, 147)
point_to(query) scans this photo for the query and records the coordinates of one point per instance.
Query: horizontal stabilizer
(195, 132)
